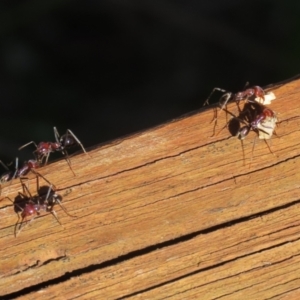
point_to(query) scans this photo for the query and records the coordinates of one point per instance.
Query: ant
(258, 118)
(27, 167)
(19, 172)
(32, 206)
(247, 94)
(251, 95)
(256, 90)
(61, 144)
(264, 124)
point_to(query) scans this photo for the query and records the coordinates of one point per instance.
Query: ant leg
(66, 155)
(57, 139)
(20, 227)
(9, 175)
(215, 119)
(246, 84)
(27, 223)
(220, 129)
(38, 157)
(214, 89)
(254, 146)
(269, 147)
(25, 186)
(223, 107)
(65, 152)
(57, 198)
(5, 177)
(252, 152)
(236, 118)
(49, 191)
(63, 208)
(243, 151)
(77, 140)
(15, 204)
(56, 135)
(18, 224)
(38, 182)
(54, 214)
(46, 157)
(26, 191)
(275, 133)
(4, 165)
(227, 97)
(32, 142)
(16, 168)
(238, 106)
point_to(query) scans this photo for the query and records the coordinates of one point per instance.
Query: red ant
(264, 124)
(43, 149)
(32, 206)
(247, 94)
(257, 118)
(256, 90)
(19, 172)
(251, 95)
(27, 166)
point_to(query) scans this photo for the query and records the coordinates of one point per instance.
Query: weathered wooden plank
(204, 261)
(147, 190)
(259, 276)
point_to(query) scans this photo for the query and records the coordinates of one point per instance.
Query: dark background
(113, 67)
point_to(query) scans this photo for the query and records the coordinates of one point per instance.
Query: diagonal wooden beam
(168, 212)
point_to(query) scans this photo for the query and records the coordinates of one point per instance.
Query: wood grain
(170, 212)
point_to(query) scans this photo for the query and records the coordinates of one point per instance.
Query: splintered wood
(167, 213)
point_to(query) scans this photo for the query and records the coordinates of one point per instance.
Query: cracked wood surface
(169, 212)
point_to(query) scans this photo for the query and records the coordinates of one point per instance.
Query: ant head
(259, 92)
(239, 96)
(54, 198)
(57, 198)
(67, 140)
(243, 132)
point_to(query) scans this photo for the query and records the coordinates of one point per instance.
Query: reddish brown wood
(169, 212)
